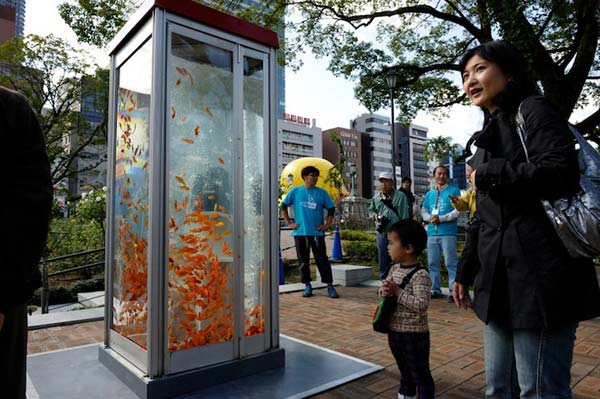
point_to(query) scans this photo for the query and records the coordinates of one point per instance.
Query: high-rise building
(265, 5)
(378, 129)
(352, 148)
(297, 138)
(411, 141)
(12, 19)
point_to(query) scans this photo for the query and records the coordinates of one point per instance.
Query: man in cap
(386, 208)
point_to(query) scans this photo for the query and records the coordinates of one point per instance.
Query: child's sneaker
(307, 291)
(331, 292)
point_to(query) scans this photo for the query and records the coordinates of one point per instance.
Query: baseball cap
(385, 175)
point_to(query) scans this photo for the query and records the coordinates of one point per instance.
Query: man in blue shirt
(441, 217)
(309, 230)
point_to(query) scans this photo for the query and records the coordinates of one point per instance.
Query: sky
(312, 92)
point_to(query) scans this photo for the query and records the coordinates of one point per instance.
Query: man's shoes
(331, 292)
(400, 396)
(450, 299)
(436, 295)
(307, 291)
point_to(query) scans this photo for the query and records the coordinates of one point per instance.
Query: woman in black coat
(530, 293)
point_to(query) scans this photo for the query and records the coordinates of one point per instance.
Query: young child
(409, 329)
(468, 266)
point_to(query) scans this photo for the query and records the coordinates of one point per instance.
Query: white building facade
(297, 137)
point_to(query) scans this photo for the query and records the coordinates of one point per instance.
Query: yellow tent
(291, 176)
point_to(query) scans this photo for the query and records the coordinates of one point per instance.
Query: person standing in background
(438, 213)
(23, 232)
(386, 208)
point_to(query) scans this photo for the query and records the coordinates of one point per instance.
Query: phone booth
(192, 257)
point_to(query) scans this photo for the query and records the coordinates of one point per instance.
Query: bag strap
(407, 278)
(385, 202)
(522, 130)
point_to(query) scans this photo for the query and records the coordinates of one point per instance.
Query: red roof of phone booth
(197, 12)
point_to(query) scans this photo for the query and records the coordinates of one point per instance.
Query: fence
(46, 275)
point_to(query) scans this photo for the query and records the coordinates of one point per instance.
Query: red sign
(297, 119)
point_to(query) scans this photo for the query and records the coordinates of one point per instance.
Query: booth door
(216, 254)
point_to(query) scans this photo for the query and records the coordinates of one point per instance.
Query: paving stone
(344, 325)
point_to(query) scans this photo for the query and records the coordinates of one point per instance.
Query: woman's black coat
(526, 277)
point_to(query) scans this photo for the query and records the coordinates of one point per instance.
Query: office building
(297, 138)
(351, 146)
(411, 141)
(12, 19)
(91, 161)
(379, 149)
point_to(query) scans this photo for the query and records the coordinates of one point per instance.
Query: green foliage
(355, 235)
(362, 250)
(334, 175)
(423, 42)
(96, 21)
(54, 77)
(92, 207)
(67, 293)
(68, 236)
(437, 148)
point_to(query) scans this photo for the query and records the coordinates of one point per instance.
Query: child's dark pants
(411, 351)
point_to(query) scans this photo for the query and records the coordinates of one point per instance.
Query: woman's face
(482, 81)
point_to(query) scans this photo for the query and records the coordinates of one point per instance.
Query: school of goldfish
(200, 261)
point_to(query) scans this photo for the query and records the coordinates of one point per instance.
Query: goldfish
(208, 111)
(196, 130)
(221, 161)
(187, 140)
(173, 113)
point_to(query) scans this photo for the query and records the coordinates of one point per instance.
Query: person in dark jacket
(25, 206)
(528, 291)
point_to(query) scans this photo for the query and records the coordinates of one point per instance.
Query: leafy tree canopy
(55, 77)
(96, 21)
(424, 40)
(437, 148)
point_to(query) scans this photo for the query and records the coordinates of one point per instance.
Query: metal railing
(45, 275)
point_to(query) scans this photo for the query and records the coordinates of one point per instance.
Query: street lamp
(353, 176)
(391, 79)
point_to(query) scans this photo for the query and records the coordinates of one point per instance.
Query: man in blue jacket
(309, 201)
(440, 216)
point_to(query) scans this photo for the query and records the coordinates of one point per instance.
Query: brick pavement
(343, 325)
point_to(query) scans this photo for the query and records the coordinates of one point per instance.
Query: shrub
(356, 235)
(361, 250)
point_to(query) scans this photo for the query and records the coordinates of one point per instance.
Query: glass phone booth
(192, 285)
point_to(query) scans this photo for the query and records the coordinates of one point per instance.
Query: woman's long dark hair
(512, 63)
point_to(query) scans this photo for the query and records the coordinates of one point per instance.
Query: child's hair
(410, 233)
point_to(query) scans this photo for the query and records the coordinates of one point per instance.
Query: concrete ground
(343, 325)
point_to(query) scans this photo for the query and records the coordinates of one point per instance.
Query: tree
(49, 72)
(425, 41)
(96, 21)
(437, 148)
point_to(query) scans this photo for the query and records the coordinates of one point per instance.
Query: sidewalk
(343, 325)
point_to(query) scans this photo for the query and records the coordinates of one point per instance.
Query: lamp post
(353, 176)
(391, 79)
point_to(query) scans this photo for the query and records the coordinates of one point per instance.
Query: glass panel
(254, 257)
(130, 263)
(200, 199)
